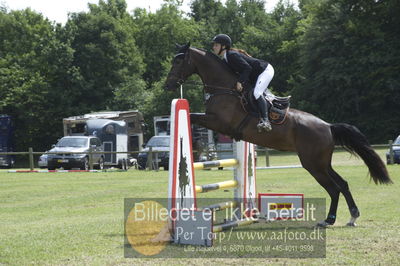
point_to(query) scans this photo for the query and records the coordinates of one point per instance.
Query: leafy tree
(106, 56)
(156, 39)
(230, 18)
(49, 72)
(266, 36)
(349, 57)
(273, 39)
(339, 60)
(30, 56)
(158, 34)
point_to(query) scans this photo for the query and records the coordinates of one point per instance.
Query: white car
(42, 162)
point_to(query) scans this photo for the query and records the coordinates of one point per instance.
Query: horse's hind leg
(344, 188)
(317, 162)
(333, 183)
(323, 178)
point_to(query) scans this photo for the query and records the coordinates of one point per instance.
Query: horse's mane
(215, 57)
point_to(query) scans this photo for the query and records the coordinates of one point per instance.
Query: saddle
(277, 112)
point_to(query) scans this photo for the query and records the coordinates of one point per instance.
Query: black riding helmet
(223, 39)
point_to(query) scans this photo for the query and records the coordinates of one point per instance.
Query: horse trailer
(114, 137)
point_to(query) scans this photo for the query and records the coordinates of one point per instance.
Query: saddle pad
(277, 116)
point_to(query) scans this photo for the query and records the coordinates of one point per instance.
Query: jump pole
(212, 164)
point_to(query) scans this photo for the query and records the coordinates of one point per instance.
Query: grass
(77, 218)
(340, 157)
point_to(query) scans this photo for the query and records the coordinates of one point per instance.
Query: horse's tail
(356, 143)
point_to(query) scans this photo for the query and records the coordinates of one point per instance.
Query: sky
(57, 10)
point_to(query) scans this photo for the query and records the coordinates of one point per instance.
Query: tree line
(338, 59)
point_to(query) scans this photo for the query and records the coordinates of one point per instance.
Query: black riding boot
(264, 123)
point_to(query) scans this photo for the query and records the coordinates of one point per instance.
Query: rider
(251, 71)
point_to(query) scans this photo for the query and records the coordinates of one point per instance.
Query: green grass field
(78, 218)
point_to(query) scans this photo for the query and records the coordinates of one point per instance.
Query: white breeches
(263, 81)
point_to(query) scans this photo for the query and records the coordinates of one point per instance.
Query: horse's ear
(184, 48)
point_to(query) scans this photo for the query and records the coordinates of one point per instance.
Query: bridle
(180, 78)
(210, 90)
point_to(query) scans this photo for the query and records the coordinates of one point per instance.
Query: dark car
(396, 152)
(159, 144)
(81, 144)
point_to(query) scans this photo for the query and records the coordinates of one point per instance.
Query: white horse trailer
(114, 136)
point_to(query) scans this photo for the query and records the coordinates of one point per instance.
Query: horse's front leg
(209, 121)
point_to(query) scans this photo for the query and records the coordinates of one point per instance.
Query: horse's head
(181, 68)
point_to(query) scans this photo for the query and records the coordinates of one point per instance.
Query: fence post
(266, 157)
(31, 165)
(391, 154)
(149, 163)
(155, 166)
(90, 158)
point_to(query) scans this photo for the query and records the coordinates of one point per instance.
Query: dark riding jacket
(248, 68)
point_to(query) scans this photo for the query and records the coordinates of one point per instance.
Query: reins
(218, 90)
(206, 86)
(210, 90)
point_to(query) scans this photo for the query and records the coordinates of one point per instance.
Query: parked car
(80, 160)
(396, 152)
(6, 161)
(159, 144)
(42, 162)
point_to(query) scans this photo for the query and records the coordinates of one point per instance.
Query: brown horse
(310, 137)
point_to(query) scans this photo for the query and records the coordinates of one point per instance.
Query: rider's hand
(239, 87)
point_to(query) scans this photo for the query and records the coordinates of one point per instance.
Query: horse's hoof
(352, 221)
(351, 224)
(323, 224)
